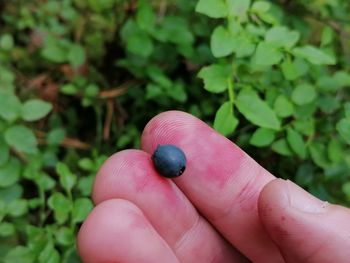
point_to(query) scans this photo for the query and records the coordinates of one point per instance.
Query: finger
(117, 231)
(130, 175)
(221, 180)
(305, 228)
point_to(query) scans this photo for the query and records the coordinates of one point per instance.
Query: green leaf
(10, 106)
(4, 151)
(296, 142)
(81, 208)
(212, 8)
(55, 136)
(347, 109)
(215, 77)
(283, 107)
(238, 8)
(10, 172)
(6, 42)
(314, 55)
(342, 78)
(7, 229)
(281, 36)
(17, 207)
(65, 236)
(222, 42)
(281, 147)
(19, 254)
(335, 151)
(69, 89)
(54, 53)
(260, 7)
(289, 70)
(327, 36)
(267, 54)
(49, 254)
(243, 46)
(225, 122)
(21, 138)
(303, 94)
(343, 127)
(61, 206)
(76, 55)
(262, 137)
(67, 178)
(177, 92)
(319, 154)
(145, 16)
(256, 110)
(35, 109)
(176, 30)
(11, 193)
(140, 44)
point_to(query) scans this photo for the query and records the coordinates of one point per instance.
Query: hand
(224, 208)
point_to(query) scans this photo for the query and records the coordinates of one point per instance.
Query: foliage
(80, 79)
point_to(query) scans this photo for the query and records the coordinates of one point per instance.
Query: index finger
(221, 180)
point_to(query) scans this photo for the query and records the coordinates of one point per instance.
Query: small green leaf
(7, 229)
(343, 127)
(54, 52)
(55, 136)
(281, 36)
(4, 151)
(335, 151)
(212, 8)
(342, 78)
(296, 142)
(319, 154)
(21, 138)
(238, 8)
(65, 236)
(19, 254)
(347, 109)
(281, 147)
(289, 70)
(225, 122)
(17, 207)
(303, 94)
(262, 137)
(49, 254)
(283, 107)
(222, 42)
(10, 172)
(314, 55)
(140, 44)
(10, 106)
(256, 110)
(69, 89)
(267, 54)
(260, 7)
(243, 46)
(61, 206)
(67, 178)
(81, 208)
(76, 55)
(145, 16)
(6, 42)
(215, 77)
(35, 109)
(327, 36)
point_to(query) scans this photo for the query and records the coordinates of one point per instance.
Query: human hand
(224, 208)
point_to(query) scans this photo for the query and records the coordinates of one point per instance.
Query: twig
(108, 121)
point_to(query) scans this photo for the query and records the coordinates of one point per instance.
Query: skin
(224, 208)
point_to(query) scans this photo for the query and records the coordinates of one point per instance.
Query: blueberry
(169, 160)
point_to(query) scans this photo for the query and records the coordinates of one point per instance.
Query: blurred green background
(79, 79)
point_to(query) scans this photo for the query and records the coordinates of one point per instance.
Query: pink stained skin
(130, 175)
(223, 193)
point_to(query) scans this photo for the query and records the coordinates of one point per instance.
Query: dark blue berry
(169, 160)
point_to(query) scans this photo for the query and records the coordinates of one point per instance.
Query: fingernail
(304, 201)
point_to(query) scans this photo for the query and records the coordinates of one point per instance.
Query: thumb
(304, 228)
